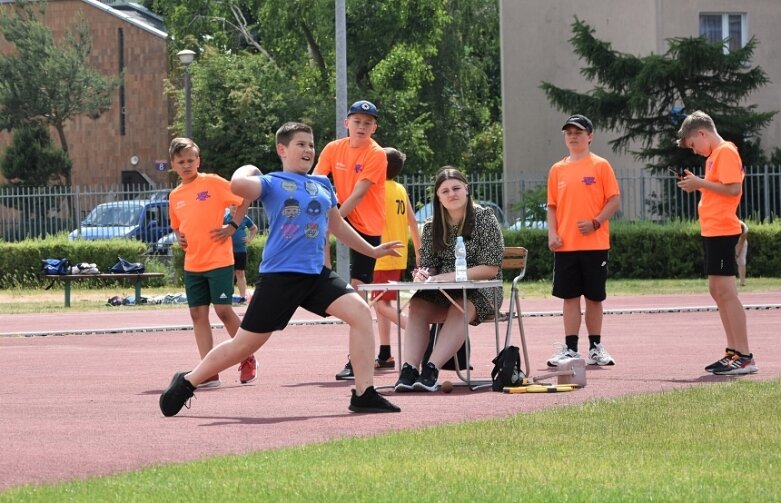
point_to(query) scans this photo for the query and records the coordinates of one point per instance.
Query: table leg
(138, 289)
(466, 342)
(67, 292)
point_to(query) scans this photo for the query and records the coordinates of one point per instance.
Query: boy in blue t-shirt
(301, 209)
(245, 233)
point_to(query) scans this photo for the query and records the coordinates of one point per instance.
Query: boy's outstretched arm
(347, 235)
(246, 184)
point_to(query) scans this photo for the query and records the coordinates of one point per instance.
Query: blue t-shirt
(297, 207)
(239, 246)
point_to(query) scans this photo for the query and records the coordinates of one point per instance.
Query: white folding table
(442, 286)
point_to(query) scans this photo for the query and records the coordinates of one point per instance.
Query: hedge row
(639, 251)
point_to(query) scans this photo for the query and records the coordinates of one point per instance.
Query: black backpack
(507, 371)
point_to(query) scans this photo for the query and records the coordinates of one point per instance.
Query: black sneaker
(428, 378)
(728, 353)
(739, 365)
(176, 396)
(409, 375)
(346, 374)
(371, 401)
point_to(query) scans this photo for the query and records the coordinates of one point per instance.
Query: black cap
(363, 107)
(580, 122)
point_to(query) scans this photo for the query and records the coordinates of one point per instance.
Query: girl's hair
(439, 221)
(180, 144)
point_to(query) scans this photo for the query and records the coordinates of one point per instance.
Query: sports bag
(55, 266)
(125, 267)
(507, 371)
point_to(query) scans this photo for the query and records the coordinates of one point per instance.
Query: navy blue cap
(363, 107)
(580, 122)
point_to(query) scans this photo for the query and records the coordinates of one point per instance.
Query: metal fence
(41, 211)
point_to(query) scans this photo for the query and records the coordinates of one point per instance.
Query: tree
(431, 66)
(31, 160)
(44, 82)
(646, 98)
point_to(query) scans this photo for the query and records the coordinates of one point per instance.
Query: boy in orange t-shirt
(583, 194)
(357, 165)
(721, 190)
(196, 208)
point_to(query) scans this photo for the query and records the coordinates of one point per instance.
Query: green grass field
(719, 442)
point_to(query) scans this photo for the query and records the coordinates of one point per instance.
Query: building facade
(129, 143)
(535, 48)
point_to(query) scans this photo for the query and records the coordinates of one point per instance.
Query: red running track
(86, 405)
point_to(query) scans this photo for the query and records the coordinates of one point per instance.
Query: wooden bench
(67, 279)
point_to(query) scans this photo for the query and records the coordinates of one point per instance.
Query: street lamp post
(186, 56)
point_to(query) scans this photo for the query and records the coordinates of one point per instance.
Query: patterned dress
(486, 247)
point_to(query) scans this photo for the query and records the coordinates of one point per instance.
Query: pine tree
(645, 98)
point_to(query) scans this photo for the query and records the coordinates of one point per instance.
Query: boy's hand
(222, 233)
(389, 248)
(182, 241)
(585, 227)
(554, 241)
(689, 182)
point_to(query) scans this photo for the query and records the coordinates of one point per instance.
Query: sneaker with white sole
(427, 381)
(723, 362)
(248, 370)
(407, 378)
(739, 365)
(598, 355)
(563, 353)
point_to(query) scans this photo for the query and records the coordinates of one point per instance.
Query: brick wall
(97, 148)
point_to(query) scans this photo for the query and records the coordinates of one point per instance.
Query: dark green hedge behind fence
(638, 251)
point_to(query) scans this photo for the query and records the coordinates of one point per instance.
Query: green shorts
(209, 287)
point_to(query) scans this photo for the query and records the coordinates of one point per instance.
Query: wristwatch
(234, 225)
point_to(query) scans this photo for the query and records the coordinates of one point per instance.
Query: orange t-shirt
(396, 226)
(347, 166)
(717, 212)
(197, 208)
(579, 190)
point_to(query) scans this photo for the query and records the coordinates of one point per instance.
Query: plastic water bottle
(460, 259)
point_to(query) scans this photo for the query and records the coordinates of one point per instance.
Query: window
(730, 29)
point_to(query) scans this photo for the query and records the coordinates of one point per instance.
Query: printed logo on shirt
(314, 208)
(291, 209)
(289, 231)
(589, 180)
(311, 231)
(310, 187)
(358, 168)
(708, 165)
(289, 186)
(202, 196)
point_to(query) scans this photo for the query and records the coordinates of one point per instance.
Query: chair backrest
(515, 257)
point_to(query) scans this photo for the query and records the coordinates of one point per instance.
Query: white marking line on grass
(323, 321)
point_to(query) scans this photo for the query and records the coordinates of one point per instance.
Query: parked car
(144, 220)
(163, 245)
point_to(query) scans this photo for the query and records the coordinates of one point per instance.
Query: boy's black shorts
(720, 255)
(579, 273)
(239, 261)
(361, 266)
(278, 295)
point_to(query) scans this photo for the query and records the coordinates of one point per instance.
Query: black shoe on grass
(371, 401)
(176, 396)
